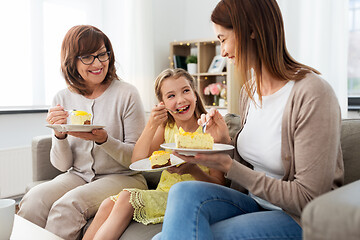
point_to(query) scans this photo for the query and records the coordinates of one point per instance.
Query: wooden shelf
(206, 50)
(211, 74)
(217, 107)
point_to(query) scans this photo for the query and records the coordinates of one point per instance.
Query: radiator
(15, 171)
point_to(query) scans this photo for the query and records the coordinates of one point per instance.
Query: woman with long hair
(287, 150)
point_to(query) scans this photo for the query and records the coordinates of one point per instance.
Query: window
(30, 54)
(15, 60)
(58, 18)
(354, 55)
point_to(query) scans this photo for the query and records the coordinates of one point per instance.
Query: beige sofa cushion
(350, 145)
(42, 167)
(334, 215)
(140, 231)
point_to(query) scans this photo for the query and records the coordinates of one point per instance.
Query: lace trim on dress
(136, 200)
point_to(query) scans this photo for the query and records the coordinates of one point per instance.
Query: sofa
(44, 171)
(336, 214)
(318, 218)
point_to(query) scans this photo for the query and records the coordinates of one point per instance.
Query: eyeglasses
(89, 59)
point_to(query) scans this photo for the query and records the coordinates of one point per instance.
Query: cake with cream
(160, 159)
(80, 118)
(193, 140)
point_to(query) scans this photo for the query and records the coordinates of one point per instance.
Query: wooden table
(23, 229)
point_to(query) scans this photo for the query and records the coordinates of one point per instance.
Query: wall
(17, 130)
(177, 21)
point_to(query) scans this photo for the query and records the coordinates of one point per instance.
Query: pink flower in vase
(215, 88)
(207, 90)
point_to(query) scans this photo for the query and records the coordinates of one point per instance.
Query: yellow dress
(149, 205)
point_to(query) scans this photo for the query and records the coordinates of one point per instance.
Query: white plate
(74, 128)
(218, 147)
(145, 166)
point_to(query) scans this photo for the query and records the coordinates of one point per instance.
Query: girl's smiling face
(178, 95)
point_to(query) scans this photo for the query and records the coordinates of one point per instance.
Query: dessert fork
(69, 110)
(204, 126)
(177, 111)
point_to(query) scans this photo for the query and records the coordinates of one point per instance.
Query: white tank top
(259, 143)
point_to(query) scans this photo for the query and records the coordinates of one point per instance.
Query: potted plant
(191, 62)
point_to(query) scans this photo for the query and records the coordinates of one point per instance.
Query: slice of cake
(193, 140)
(160, 159)
(80, 118)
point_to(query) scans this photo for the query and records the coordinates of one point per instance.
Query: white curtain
(317, 35)
(129, 24)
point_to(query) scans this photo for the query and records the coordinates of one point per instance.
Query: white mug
(7, 214)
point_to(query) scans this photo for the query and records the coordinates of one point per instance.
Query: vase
(222, 102)
(216, 100)
(192, 68)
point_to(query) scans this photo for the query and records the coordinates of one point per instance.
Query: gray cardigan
(120, 110)
(310, 150)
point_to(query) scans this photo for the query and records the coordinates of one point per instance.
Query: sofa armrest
(42, 167)
(233, 123)
(334, 215)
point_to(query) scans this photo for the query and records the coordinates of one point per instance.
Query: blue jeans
(200, 210)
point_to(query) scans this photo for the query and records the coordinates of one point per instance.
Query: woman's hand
(219, 161)
(57, 115)
(158, 115)
(184, 168)
(216, 126)
(97, 135)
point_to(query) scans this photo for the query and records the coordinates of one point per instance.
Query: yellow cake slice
(80, 118)
(160, 159)
(193, 140)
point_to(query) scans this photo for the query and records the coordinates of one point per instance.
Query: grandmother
(95, 164)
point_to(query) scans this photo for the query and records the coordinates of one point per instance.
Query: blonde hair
(177, 73)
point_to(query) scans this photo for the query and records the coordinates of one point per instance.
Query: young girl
(175, 91)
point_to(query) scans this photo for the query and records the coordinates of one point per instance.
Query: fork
(177, 111)
(204, 126)
(69, 110)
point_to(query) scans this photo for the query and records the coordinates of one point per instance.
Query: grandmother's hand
(216, 126)
(57, 115)
(97, 135)
(219, 161)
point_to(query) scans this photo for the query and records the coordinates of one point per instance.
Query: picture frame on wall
(217, 64)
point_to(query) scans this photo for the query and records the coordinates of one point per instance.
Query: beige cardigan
(310, 150)
(121, 111)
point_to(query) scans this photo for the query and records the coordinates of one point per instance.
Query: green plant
(191, 59)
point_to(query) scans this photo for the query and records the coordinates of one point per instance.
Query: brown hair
(177, 73)
(82, 40)
(260, 41)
